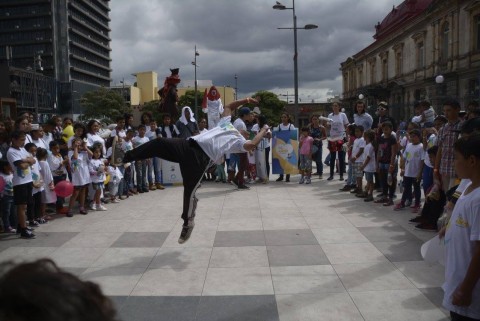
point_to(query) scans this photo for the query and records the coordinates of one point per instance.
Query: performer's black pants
(193, 164)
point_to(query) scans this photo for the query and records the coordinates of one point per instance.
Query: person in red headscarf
(212, 106)
(168, 95)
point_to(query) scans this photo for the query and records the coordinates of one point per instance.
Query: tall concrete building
(64, 41)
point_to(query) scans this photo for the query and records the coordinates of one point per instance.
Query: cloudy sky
(241, 37)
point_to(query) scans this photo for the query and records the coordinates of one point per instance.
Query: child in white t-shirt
(411, 166)
(127, 145)
(356, 161)
(114, 183)
(78, 157)
(462, 237)
(141, 166)
(96, 167)
(8, 207)
(369, 165)
(21, 161)
(35, 206)
(48, 193)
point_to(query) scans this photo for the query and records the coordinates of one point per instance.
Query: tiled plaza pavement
(280, 251)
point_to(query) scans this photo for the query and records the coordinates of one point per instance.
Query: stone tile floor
(279, 251)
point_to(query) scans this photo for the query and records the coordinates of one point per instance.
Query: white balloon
(439, 79)
(361, 96)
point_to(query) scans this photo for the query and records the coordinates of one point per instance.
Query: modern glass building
(61, 41)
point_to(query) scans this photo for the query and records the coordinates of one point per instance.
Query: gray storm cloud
(241, 37)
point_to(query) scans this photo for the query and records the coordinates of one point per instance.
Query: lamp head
(310, 26)
(279, 6)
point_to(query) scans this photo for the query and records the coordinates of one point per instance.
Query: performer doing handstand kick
(195, 155)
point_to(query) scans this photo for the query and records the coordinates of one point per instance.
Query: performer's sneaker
(186, 231)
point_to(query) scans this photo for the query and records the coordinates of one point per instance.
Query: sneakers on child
(308, 180)
(400, 206)
(302, 180)
(100, 207)
(26, 234)
(93, 206)
(114, 200)
(33, 223)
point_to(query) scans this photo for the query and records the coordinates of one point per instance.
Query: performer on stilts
(196, 154)
(212, 106)
(169, 96)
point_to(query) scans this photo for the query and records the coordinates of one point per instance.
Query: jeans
(427, 178)
(407, 192)
(141, 170)
(350, 179)
(267, 160)
(9, 212)
(157, 170)
(341, 158)
(388, 190)
(317, 157)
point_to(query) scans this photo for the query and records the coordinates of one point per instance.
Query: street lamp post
(194, 63)
(279, 6)
(236, 87)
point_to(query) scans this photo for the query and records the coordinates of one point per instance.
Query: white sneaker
(302, 180)
(308, 181)
(115, 200)
(93, 206)
(100, 207)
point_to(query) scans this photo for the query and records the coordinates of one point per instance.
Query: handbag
(314, 149)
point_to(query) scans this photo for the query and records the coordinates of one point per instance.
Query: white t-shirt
(115, 174)
(221, 139)
(358, 144)
(337, 126)
(168, 132)
(8, 179)
(429, 115)
(239, 124)
(282, 127)
(37, 178)
(95, 138)
(463, 231)
(80, 173)
(48, 196)
(47, 138)
(137, 141)
(20, 176)
(431, 141)
(40, 143)
(264, 142)
(371, 166)
(96, 167)
(126, 146)
(56, 165)
(413, 155)
(121, 133)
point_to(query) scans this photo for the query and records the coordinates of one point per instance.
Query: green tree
(103, 104)
(270, 106)
(188, 99)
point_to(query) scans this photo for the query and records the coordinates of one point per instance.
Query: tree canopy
(270, 106)
(103, 104)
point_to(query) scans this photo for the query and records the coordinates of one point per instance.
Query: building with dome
(423, 49)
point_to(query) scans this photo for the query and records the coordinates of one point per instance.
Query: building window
(477, 32)
(420, 55)
(385, 69)
(360, 78)
(398, 64)
(445, 41)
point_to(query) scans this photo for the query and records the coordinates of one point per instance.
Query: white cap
(256, 110)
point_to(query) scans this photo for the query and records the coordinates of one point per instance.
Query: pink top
(307, 143)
